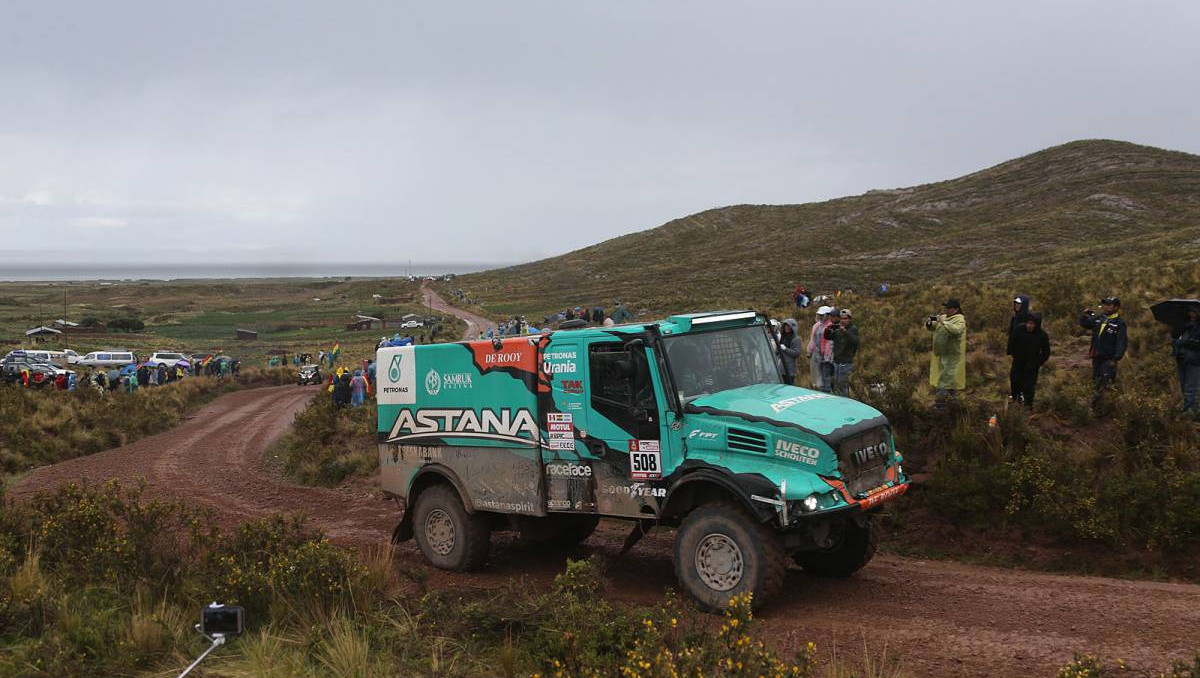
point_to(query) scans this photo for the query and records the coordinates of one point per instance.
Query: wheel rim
(719, 562)
(439, 532)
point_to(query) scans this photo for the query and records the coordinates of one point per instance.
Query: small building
(42, 334)
(246, 335)
(64, 325)
(366, 322)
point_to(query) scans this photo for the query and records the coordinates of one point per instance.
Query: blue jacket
(1109, 335)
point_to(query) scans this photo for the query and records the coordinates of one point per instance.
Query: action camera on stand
(224, 620)
(218, 623)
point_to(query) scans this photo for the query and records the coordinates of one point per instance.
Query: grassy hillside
(1038, 213)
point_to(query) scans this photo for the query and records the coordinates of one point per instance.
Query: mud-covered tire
(448, 536)
(855, 547)
(722, 551)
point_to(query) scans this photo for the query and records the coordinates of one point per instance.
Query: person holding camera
(844, 335)
(1109, 340)
(947, 364)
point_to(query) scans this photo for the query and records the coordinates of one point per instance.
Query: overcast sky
(507, 131)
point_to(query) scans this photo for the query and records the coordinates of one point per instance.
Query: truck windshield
(708, 362)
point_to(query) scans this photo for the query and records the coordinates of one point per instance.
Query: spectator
(800, 294)
(820, 350)
(1015, 324)
(844, 336)
(1029, 347)
(621, 314)
(947, 365)
(789, 349)
(1186, 348)
(1109, 340)
(358, 389)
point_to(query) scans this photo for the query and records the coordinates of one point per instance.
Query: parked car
(40, 371)
(107, 359)
(168, 359)
(63, 357)
(411, 324)
(309, 374)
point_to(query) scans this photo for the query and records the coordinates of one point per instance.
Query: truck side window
(621, 389)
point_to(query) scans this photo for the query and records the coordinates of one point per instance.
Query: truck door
(625, 430)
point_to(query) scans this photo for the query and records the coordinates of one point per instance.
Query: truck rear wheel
(722, 551)
(854, 547)
(448, 536)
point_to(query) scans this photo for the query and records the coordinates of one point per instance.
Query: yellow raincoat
(947, 364)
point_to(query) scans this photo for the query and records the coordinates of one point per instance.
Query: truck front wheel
(854, 546)
(722, 551)
(448, 536)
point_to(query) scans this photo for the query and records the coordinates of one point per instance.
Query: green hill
(1037, 213)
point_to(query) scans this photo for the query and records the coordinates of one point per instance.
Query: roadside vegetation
(100, 581)
(46, 426)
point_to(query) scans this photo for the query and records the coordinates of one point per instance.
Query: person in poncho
(947, 364)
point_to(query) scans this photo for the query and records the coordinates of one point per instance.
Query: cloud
(100, 222)
(40, 198)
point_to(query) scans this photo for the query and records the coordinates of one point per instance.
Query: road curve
(475, 323)
(943, 618)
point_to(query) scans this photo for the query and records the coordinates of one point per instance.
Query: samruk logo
(433, 382)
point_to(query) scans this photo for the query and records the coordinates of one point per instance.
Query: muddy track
(475, 323)
(944, 619)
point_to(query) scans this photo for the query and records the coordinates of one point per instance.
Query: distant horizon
(170, 271)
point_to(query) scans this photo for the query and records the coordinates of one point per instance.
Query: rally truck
(683, 422)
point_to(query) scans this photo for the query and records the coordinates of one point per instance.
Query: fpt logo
(433, 383)
(394, 369)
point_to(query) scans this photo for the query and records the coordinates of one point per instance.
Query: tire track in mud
(943, 618)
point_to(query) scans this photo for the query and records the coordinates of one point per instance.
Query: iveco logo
(869, 453)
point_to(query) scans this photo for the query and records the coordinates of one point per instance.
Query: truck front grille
(863, 459)
(747, 441)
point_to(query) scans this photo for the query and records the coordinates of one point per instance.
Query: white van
(107, 359)
(168, 359)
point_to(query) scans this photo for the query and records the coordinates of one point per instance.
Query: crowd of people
(833, 342)
(348, 389)
(132, 377)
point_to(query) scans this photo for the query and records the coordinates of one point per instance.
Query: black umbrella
(1174, 312)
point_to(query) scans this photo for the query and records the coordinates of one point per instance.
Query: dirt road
(944, 619)
(475, 323)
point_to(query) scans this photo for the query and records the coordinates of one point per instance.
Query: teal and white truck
(682, 423)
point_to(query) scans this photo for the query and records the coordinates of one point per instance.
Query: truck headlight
(810, 502)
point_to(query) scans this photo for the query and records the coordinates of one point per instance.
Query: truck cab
(682, 422)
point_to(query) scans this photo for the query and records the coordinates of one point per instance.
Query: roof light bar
(724, 317)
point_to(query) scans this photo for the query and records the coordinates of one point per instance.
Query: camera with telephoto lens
(224, 620)
(930, 321)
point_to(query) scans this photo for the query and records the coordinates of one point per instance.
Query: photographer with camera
(947, 364)
(1109, 339)
(844, 335)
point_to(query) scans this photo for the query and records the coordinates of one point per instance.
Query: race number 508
(645, 460)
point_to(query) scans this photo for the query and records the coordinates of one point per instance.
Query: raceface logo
(506, 425)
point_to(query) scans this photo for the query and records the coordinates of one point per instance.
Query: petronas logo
(394, 368)
(433, 383)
